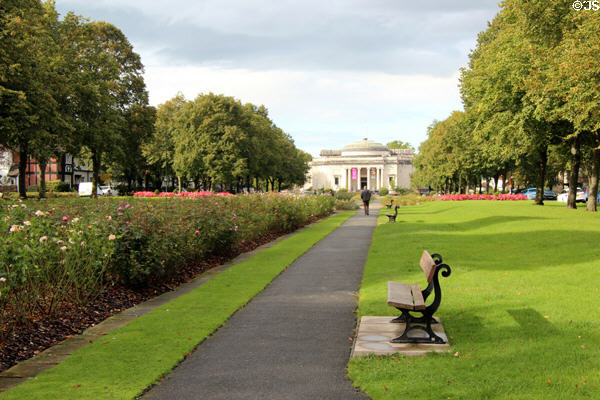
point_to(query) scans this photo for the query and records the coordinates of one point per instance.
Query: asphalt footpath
(291, 341)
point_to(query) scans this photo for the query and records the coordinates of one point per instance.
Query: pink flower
(234, 216)
(64, 248)
(111, 237)
(127, 206)
(65, 218)
(235, 228)
(197, 232)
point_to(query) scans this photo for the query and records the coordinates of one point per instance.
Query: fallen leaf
(548, 381)
(76, 385)
(447, 382)
(457, 354)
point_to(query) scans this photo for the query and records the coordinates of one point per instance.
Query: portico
(363, 163)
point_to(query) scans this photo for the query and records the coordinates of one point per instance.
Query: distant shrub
(62, 187)
(346, 205)
(51, 186)
(343, 195)
(383, 191)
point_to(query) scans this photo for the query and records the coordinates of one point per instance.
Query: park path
(291, 341)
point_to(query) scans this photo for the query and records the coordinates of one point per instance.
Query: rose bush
(462, 197)
(64, 250)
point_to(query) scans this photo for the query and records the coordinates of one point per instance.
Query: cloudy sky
(329, 71)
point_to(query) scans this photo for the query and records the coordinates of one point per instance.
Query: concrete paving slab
(375, 333)
(291, 341)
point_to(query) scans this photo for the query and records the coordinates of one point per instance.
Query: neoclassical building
(363, 163)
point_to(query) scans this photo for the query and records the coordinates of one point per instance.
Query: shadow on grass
(515, 250)
(486, 222)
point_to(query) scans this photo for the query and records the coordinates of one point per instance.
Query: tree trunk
(543, 162)
(574, 175)
(593, 193)
(179, 183)
(42, 163)
(22, 172)
(95, 174)
(496, 177)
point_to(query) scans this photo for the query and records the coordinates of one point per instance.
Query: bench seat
(409, 298)
(405, 296)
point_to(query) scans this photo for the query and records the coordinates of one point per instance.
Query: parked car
(587, 196)
(564, 196)
(109, 191)
(531, 193)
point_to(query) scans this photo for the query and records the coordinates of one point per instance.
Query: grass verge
(123, 363)
(522, 306)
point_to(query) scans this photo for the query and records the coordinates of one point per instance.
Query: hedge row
(68, 250)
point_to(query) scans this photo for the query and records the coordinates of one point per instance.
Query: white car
(564, 196)
(109, 191)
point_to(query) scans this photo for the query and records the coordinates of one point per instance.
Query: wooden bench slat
(400, 295)
(427, 265)
(419, 301)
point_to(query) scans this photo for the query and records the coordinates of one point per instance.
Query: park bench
(390, 205)
(392, 217)
(409, 298)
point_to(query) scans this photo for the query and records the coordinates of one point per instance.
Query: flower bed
(193, 195)
(67, 251)
(462, 197)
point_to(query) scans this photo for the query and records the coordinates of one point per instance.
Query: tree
(399, 144)
(108, 82)
(32, 83)
(159, 148)
(129, 161)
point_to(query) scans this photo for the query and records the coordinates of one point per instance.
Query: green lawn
(128, 360)
(521, 307)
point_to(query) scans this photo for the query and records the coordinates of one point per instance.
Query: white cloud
(322, 109)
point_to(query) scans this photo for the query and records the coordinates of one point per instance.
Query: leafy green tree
(32, 81)
(159, 148)
(399, 144)
(107, 83)
(129, 161)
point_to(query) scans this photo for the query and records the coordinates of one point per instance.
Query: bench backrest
(427, 265)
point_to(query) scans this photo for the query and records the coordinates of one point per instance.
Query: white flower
(83, 244)
(39, 213)
(59, 242)
(3, 279)
(43, 239)
(74, 220)
(111, 237)
(15, 228)
(64, 248)
(27, 223)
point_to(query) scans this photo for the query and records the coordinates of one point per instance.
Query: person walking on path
(366, 198)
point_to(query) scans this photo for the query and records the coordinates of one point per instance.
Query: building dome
(365, 146)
